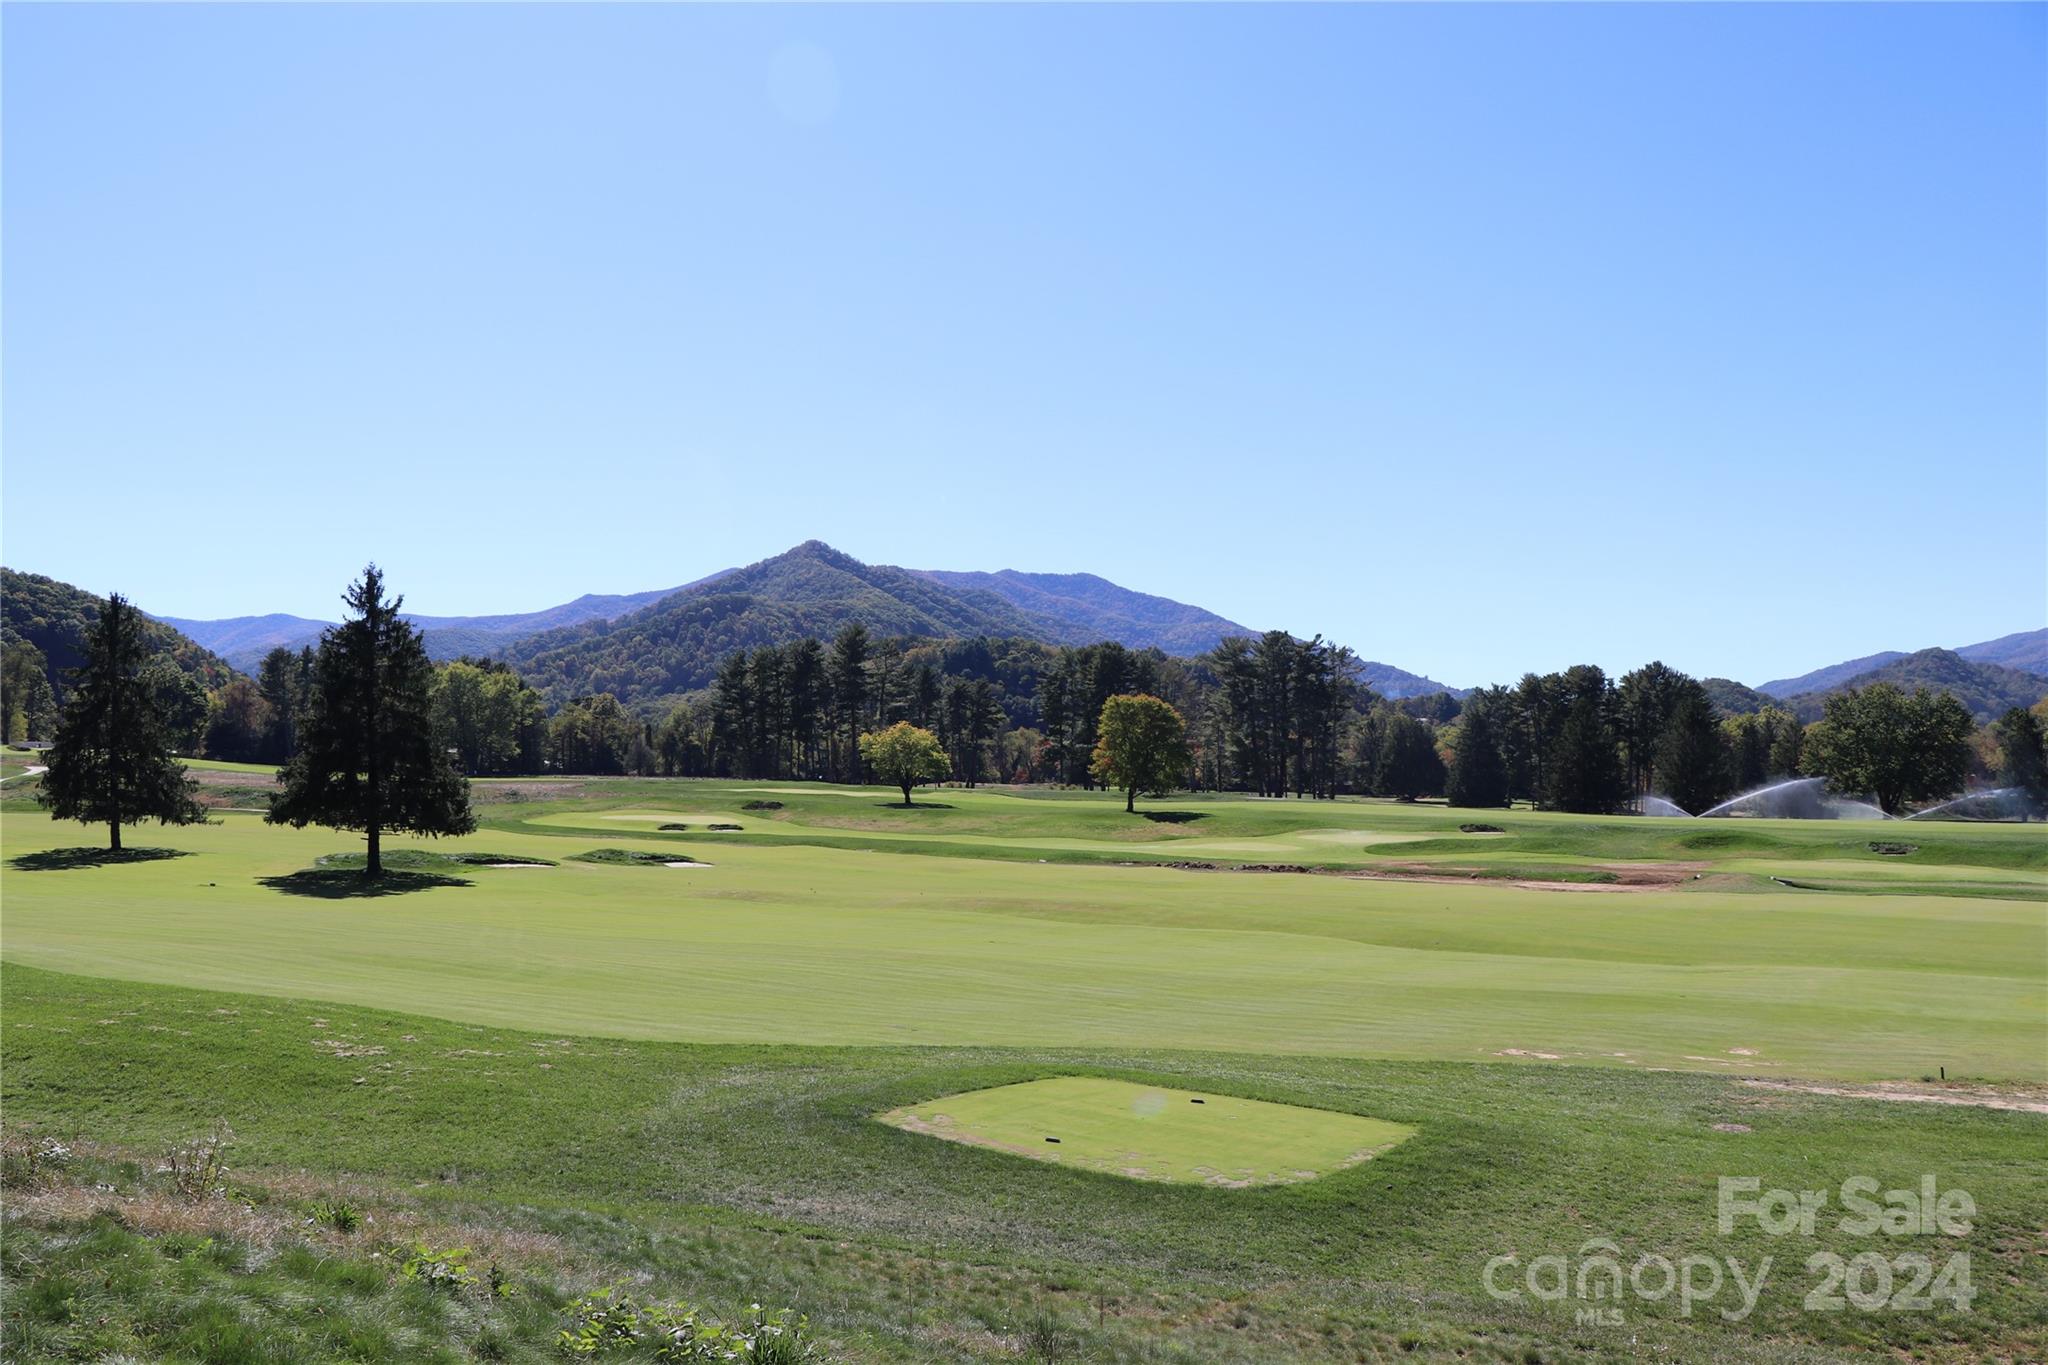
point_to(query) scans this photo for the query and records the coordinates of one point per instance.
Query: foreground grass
(746, 1173)
(104, 1257)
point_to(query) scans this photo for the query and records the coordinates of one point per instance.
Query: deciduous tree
(905, 756)
(1897, 748)
(1140, 745)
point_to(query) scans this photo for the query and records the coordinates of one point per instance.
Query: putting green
(1151, 1133)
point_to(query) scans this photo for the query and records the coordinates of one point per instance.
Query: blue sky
(1479, 338)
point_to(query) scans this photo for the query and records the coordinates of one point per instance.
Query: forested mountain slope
(52, 616)
(1101, 610)
(1988, 690)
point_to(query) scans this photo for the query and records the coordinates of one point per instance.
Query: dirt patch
(1976, 1097)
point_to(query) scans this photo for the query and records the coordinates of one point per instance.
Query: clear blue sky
(1479, 338)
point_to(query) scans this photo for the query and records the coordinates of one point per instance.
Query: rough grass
(758, 1173)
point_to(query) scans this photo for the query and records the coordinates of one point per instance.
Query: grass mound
(1150, 1133)
(1732, 840)
(629, 857)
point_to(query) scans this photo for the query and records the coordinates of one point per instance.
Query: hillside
(53, 617)
(811, 591)
(244, 640)
(1988, 690)
(1098, 609)
(1829, 678)
(1731, 698)
(2026, 650)
(1397, 683)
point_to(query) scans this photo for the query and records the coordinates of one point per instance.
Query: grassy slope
(737, 1172)
(864, 948)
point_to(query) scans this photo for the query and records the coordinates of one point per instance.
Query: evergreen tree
(111, 761)
(368, 757)
(1691, 766)
(1408, 763)
(1584, 768)
(1478, 776)
(2023, 758)
(847, 672)
(283, 678)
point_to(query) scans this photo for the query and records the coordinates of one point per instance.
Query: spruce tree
(111, 761)
(1691, 764)
(1478, 776)
(1584, 772)
(368, 758)
(1408, 763)
(2023, 759)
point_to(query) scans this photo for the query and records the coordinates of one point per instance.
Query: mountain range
(244, 640)
(678, 634)
(648, 645)
(2026, 651)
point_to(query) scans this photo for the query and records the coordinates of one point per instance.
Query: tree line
(371, 735)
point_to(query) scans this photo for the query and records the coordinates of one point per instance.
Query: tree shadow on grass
(65, 859)
(342, 884)
(915, 805)
(1173, 817)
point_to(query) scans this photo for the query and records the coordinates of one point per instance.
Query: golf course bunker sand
(1147, 1132)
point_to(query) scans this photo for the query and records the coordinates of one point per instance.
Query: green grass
(1147, 1132)
(870, 949)
(674, 1077)
(738, 1173)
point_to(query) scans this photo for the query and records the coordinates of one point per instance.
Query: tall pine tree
(1478, 776)
(111, 762)
(367, 756)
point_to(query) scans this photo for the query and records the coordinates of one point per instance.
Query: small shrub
(724, 827)
(762, 805)
(448, 1269)
(198, 1170)
(1481, 829)
(1048, 1340)
(28, 1163)
(1891, 849)
(601, 1321)
(675, 827)
(679, 1333)
(338, 1214)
